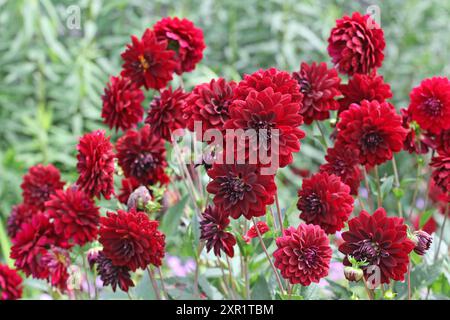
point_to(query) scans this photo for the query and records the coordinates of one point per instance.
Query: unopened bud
(422, 240)
(353, 274)
(139, 198)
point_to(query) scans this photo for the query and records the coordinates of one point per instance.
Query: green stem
(322, 134)
(154, 284)
(5, 244)
(397, 185)
(441, 234)
(377, 178)
(369, 190)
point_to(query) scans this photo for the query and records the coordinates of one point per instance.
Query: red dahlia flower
(19, 214)
(430, 104)
(142, 155)
(184, 38)
(356, 44)
(39, 183)
(439, 197)
(148, 62)
(364, 87)
(113, 275)
(325, 200)
(443, 141)
(212, 227)
(131, 239)
(128, 186)
(319, 86)
(31, 244)
(74, 215)
(379, 240)
(122, 104)
(303, 255)
(416, 140)
(57, 260)
(96, 164)
(280, 82)
(10, 283)
(166, 113)
(268, 110)
(441, 171)
(260, 226)
(374, 128)
(209, 103)
(343, 161)
(240, 189)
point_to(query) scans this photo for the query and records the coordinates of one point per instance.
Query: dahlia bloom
(379, 240)
(19, 214)
(139, 198)
(268, 110)
(39, 183)
(280, 82)
(74, 215)
(122, 104)
(430, 104)
(166, 113)
(416, 141)
(438, 196)
(441, 171)
(356, 44)
(209, 103)
(113, 275)
(319, 86)
(260, 226)
(324, 200)
(131, 239)
(343, 161)
(443, 141)
(303, 255)
(142, 156)
(128, 186)
(212, 230)
(57, 260)
(96, 164)
(364, 87)
(374, 128)
(148, 62)
(10, 283)
(184, 38)
(240, 189)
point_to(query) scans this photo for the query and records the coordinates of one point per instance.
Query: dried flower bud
(353, 274)
(92, 256)
(139, 198)
(423, 242)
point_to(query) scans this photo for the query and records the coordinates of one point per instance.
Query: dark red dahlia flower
(280, 82)
(166, 113)
(379, 240)
(364, 87)
(148, 62)
(19, 214)
(122, 104)
(319, 86)
(303, 255)
(31, 244)
(128, 186)
(343, 161)
(240, 189)
(113, 275)
(356, 44)
(325, 200)
(131, 239)
(142, 155)
(209, 103)
(416, 141)
(10, 283)
(183, 38)
(260, 226)
(262, 112)
(430, 104)
(96, 164)
(57, 261)
(74, 214)
(439, 197)
(39, 183)
(441, 171)
(443, 141)
(212, 227)
(374, 128)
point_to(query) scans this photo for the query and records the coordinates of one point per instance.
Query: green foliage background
(51, 77)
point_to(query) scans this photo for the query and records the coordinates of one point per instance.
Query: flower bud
(353, 274)
(92, 256)
(423, 242)
(139, 198)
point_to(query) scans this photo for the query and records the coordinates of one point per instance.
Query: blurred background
(56, 57)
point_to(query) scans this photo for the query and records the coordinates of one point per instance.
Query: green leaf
(171, 219)
(260, 290)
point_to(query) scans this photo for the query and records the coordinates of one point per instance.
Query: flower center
(313, 204)
(126, 249)
(262, 124)
(371, 141)
(305, 85)
(235, 189)
(339, 167)
(144, 62)
(432, 107)
(307, 256)
(369, 251)
(142, 164)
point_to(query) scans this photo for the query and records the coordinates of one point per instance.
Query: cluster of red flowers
(271, 104)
